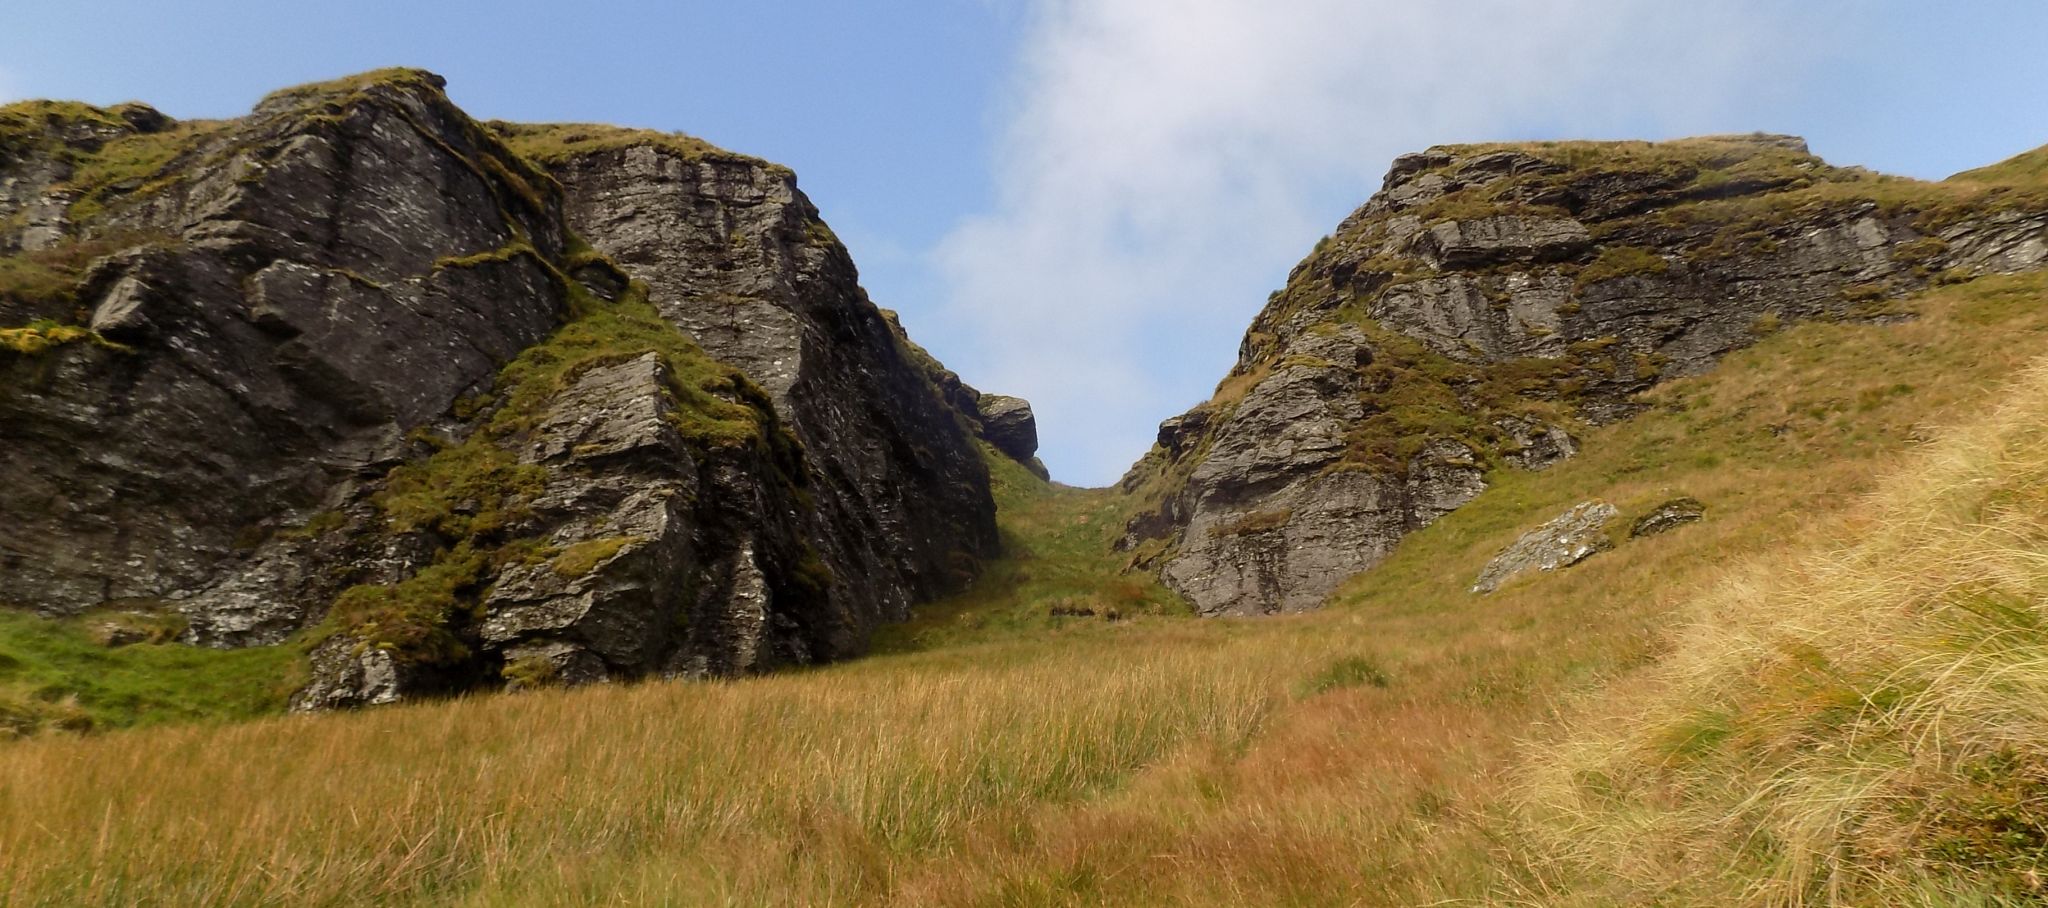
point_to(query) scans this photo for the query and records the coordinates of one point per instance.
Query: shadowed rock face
(280, 398)
(285, 324)
(734, 254)
(1490, 300)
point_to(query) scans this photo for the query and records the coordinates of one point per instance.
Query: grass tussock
(46, 280)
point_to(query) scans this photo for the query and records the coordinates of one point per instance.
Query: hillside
(1366, 753)
(1491, 303)
(1583, 524)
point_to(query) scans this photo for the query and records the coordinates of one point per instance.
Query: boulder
(1570, 538)
(1007, 423)
(1668, 516)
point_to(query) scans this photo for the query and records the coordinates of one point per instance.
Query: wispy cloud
(1165, 161)
(10, 87)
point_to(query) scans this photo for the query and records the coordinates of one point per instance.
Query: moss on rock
(555, 143)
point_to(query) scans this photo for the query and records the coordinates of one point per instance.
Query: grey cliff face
(1271, 525)
(1485, 303)
(280, 329)
(734, 254)
(345, 368)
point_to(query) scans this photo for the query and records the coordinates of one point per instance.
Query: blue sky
(1083, 202)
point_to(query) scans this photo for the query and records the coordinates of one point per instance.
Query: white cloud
(1165, 161)
(10, 87)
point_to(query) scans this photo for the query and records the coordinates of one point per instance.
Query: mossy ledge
(555, 143)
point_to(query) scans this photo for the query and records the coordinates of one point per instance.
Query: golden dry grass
(1861, 721)
(1362, 755)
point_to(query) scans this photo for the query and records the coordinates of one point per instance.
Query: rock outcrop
(1006, 424)
(271, 309)
(1571, 537)
(461, 404)
(1009, 425)
(1489, 302)
(735, 255)
(1668, 516)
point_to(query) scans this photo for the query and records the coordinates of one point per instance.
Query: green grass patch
(47, 279)
(1256, 522)
(1415, 396)
(2029, 168)
(134, 165)
(1058, 568)
(1619, 262)
(55, 668)
(583, 557)
(558, 143)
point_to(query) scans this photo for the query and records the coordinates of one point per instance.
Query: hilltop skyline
(1081, 204)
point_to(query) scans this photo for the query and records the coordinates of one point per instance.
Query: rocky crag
(456, 404)
(1490, 302)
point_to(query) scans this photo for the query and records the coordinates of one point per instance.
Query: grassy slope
(55, 673)
(1359, 755)
(1858, 723)
(1058, 573)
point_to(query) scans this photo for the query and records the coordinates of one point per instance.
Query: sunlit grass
(1861, 720)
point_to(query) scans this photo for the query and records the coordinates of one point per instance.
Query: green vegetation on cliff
(554, 143)
(2025, 169)
(472, 497)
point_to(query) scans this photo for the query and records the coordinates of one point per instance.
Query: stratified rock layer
(734, 254)
(1491, 300)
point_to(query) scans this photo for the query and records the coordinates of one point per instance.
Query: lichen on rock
(1567, 539)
